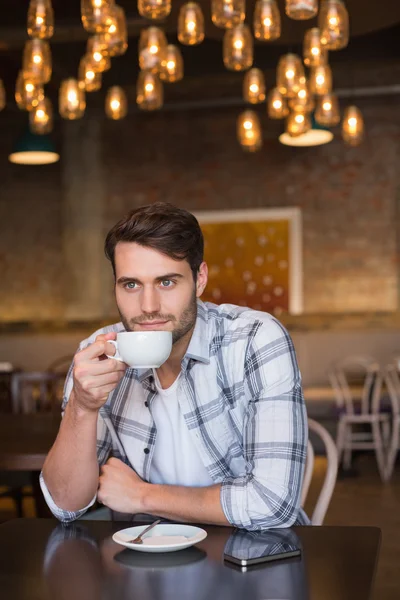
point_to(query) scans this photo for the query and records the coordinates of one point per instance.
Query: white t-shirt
(176, 460)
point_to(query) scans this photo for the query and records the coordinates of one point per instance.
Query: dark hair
(161, 226)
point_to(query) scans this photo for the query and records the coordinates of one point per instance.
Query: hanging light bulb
(301, 9)
(149, 91)
(190, 24)
(116, 103)
(321, 80)
(152, 45)
(40, 19)
(277, 107)
(2, 95)
(303, 100)
(115, 35)
(94, 14)
(171, 67)
(228, 13)
(353, 126)
(72, 101)
(266, 20)
(238, 48)
(314, 53)
(27, 92)
(290, 75)
(298, 123)
(96, 54)
(89, 79)
(154, 9)
(41, 117)
(327, 111)
(334, 24)
(36, 63)
(249, 131)
(254, 86)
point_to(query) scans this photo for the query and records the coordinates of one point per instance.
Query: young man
(217, 434)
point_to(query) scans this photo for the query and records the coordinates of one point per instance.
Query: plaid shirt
(240, 395)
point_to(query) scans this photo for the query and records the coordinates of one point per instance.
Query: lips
(152, 324)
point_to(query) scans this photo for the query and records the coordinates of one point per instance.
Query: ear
(202, 278)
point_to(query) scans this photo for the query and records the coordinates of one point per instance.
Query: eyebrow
(122, 280)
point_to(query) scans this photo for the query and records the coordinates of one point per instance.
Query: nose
(150, 302)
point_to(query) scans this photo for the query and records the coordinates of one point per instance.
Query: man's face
(155, 292)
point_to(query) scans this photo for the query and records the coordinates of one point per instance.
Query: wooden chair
(392, 379)
(359, 407)
(36, 392)
(329, 483)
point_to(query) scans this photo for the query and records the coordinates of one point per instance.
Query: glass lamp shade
(266, 20)
(190, 24)
(228, 13)
(97, 54)
(298, 123)
(334, 24)
(301, 9)
(303, 100)
(149, 91)
(353, 126)
(116, 105)
(254, 86)
(238, 48)
(320, 80)
(36, 63)
(114, 38)
(171, 67)
(327, 111)
(41, 117)
(27, 92)
(40, 19)
(89, 80)
(277, 107)
(31, 149)
(154, 9)
(290, 75)
(314, 53)
(2, 95)
(249, 131)
(152, 45)
(94, 14)
(72, 103)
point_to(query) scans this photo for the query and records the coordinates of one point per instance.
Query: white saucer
(193, 534)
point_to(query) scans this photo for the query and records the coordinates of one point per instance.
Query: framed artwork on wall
(254, 258)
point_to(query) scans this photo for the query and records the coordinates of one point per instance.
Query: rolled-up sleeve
(65, 516)
(275, 437)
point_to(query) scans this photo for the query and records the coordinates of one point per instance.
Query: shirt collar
(199, 347)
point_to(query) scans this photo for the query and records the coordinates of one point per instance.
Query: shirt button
(146, 404)
(146, 450)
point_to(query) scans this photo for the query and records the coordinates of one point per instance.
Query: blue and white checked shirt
(240, 395)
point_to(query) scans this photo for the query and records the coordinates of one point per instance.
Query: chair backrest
(391, 376)
(328, 485)
(36, 392)
(354, 373)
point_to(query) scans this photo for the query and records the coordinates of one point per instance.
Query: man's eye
(130, 285)
(167, 283)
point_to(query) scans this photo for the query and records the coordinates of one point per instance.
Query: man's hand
(95, 376)
(120, 488)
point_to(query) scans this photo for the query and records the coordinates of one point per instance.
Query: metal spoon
(138, 539)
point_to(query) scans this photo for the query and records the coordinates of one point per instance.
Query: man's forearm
(197, 505)
(71, 469)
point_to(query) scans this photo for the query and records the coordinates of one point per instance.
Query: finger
(92, 352)
(110, 349)
(109, 365)
(109, 380)
(103, 337)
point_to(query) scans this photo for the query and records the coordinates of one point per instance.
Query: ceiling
(374, 25)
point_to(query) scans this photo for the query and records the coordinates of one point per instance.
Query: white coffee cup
(142, 349)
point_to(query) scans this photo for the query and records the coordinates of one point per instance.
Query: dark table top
(25, 440)
(41, 559)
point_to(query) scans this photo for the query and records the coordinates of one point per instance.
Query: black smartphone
(246, 549)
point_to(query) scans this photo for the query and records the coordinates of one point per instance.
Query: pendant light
(41, 117)
(149, 91)
(40, 19)
(352, 126)
(317, 135)
(238, 48)
(94, 14)
(320, 80)
(154, 9)
(314, 53)
(27, 92)
(249, 131)
(171, 67)
(298, 123)
(303, 99)
(327, 111)
(290, 74)
(36, 63)
(72, 101)
(152, 44)
(301, 9)
(266, 20)
(97, 54)
(190, 24)
(277, 107)
(254, 86)
(116, 104)
(89, 80)
(33, 149)
(114, 38)
(228, 13)
(334, 24)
